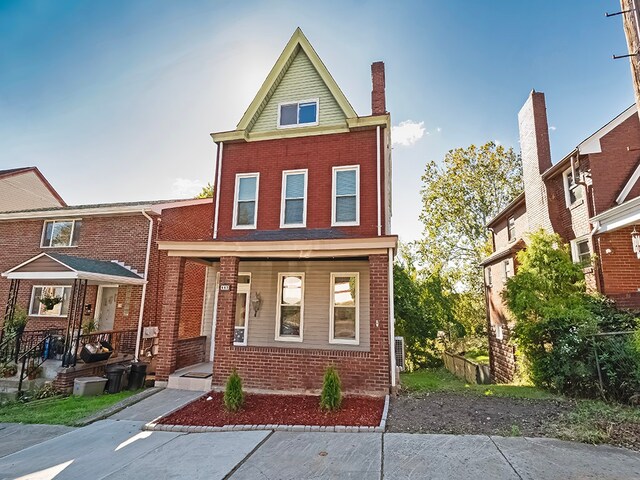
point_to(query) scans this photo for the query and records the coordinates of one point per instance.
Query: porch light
(635, 241)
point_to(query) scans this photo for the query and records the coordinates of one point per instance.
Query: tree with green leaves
(206, 192)
(459, 196)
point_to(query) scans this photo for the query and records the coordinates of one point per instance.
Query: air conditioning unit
(399, 342)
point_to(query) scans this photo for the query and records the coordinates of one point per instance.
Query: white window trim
(488, 277)
(505, 271)
(343, 341)
(575, 254)
(59, 220)
(33, 294)
(335, 223)
(244, 288)
(565, 183)
(235, 201)
(298, 102)
(509, 237)
(283, 200)
(278, 337)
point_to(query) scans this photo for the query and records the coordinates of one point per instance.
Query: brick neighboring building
(48, 251)
(591, 198)
(299, 264)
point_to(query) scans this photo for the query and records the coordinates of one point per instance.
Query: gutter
(144, 286)
(378, 179)
(392, 329)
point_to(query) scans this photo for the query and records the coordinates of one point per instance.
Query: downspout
(217, 189)
(392, 329)
(598, 270)
(378, 179)
(144, 286)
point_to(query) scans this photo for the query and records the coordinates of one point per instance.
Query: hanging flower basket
(50, 302)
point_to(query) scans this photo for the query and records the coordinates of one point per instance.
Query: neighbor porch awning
(59, 267)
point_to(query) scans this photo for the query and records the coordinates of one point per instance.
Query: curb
(154, 426)
(121, 405)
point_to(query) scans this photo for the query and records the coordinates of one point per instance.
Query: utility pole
(631, 24)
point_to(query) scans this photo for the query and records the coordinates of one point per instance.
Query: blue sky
(115, 100)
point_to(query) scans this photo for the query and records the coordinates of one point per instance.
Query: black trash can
(114, 374)
(137, 376)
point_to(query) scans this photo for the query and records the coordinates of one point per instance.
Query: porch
(281, 312)
(77, 297)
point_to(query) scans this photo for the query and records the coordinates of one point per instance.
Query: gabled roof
(298, 41)
(56, 266)
(18, 171)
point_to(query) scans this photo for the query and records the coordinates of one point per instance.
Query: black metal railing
(14, 344)
(32, 358)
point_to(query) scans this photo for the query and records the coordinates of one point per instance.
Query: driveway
(118, 449)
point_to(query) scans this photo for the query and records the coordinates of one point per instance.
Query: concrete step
(177, 381)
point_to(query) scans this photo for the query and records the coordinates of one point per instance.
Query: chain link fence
(617, 360)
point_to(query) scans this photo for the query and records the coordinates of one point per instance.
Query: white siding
(23, 192)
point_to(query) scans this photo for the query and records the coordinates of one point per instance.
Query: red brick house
(102, 264)
(300, 260)
(591, 198)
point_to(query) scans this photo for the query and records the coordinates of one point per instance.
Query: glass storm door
(242, 310)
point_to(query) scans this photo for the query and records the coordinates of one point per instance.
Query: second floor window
(511, 229)
(296, 114)
(61, 233)
(245, 208)
(294, 199)
(346, 193)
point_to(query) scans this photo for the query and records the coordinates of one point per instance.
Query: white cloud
(407, 133)
(184, 187)
(552, 128)
(497, 142)
(437, 130)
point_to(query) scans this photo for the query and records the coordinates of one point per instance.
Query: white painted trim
(392, 322)
(592, 143)
(27, 262)
(336, 169)
(217, 189)
(283, 199)
(59, 220)
(378, 180)
(215, 316)
(298, 124)
(42, 275)
(575, 255)
(629, 185)
(33, 293)
(244, 288)
(566, 187)
(235, 201)
(143, 295)
(342, 341)
(279, 337)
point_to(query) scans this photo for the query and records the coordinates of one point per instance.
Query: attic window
(298, 114)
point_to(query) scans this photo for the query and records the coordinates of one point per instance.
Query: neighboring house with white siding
(26, 188)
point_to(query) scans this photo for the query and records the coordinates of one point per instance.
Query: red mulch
(261, 409)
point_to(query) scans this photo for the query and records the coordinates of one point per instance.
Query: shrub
(233, 394)
(18, 322)
(556, 321)
(331, 396)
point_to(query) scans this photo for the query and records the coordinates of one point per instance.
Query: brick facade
(190, 351)
(603, 174)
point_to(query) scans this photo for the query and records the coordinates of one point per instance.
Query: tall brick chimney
(536, 159)
(378, 100)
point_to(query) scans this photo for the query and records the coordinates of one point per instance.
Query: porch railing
(122, 341)
(33, 357)
(13, 345)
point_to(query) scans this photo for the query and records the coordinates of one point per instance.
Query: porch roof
(308, 248)
(56, 266)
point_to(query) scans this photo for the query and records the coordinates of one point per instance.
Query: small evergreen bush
(331, 396)
(233, 394)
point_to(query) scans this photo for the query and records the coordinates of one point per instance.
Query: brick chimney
(536, 159)
(378, 101)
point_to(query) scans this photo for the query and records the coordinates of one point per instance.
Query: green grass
(441, 380)
(58, 411)
(477, 356)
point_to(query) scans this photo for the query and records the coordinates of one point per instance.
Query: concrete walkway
(117, 449)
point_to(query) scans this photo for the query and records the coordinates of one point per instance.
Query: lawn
(441, 380)
(58, 411)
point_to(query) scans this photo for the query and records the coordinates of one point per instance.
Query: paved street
(118, 449)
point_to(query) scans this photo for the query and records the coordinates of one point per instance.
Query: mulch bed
(262, 409)
(468, 414)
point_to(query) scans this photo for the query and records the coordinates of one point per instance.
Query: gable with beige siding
(301, 82)
(25, 191)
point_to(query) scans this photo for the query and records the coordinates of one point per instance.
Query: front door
(107, 308)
